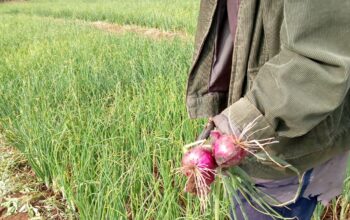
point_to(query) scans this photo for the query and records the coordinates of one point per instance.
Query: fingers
(206, 132)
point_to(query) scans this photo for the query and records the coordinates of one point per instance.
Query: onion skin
(199, 160)
(226, 151)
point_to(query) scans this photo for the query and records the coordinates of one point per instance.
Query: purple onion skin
(199, 158)
(226, 152)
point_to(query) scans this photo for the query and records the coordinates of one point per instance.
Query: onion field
(100, 115)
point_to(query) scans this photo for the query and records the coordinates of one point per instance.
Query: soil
(20, 176)
(153, 33)
(19, 216)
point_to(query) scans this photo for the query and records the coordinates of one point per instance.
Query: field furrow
(153, 33)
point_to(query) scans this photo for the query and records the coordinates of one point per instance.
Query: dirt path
(114, 28)
(153, 33)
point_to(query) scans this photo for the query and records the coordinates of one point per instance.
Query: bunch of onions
(203, 162)
(199, 163)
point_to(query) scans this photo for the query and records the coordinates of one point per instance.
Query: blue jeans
(302, 209)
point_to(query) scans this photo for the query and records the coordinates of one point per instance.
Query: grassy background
(164, 14)
(101, 117)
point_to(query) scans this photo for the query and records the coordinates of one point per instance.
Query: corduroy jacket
(290, 69)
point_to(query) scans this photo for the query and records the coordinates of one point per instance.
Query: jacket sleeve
(309, 78)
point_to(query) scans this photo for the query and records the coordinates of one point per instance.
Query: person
(285, 64)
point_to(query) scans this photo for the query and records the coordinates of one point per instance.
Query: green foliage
(163, 14)
(102, 117)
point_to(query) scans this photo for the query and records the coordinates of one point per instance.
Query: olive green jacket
(290, 66)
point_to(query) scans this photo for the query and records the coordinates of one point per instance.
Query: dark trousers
(302, 209)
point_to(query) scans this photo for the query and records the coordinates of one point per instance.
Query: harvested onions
(205, 161)
(198, 164)
(226, 150)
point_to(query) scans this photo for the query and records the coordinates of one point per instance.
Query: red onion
(198, 164)
(226, 151)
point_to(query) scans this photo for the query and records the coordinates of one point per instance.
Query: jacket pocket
(323, 133)
(339, 121)
(315, 140)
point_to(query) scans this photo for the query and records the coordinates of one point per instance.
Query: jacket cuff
(243, 112)
(222, 123)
